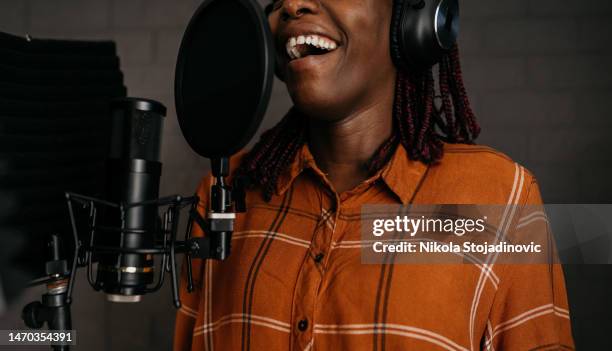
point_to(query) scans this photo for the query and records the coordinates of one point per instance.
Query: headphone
(422, 31)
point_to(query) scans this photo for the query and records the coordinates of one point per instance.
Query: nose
(293, 9)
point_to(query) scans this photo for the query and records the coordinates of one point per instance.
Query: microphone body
(133, 177)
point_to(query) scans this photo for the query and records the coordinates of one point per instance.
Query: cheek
(370, 37)
(367, 25)
(368, 58)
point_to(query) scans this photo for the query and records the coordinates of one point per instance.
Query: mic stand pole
(54, 310)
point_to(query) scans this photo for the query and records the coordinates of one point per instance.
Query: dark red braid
(420, 126)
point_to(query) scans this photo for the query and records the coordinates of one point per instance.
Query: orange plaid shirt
(295, 280)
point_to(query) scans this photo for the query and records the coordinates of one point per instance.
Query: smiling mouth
(307, 45)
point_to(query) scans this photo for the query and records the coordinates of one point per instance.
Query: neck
(343, 148)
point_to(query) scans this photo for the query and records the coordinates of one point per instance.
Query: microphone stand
(218, 227)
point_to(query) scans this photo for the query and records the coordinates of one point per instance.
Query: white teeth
(296, 53)
(314, 40)
(292, 51)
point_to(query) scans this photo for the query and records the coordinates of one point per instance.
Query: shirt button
(302, 325)
(319, 257)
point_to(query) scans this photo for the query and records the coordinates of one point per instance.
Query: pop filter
(224, 76)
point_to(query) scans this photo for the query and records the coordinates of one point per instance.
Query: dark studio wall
(540, 80)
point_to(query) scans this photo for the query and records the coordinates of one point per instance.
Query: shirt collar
(303, 160)
(401, 175)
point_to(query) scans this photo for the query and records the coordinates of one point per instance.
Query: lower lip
(309, 62)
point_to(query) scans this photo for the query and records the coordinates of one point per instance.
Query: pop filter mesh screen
(224, 76)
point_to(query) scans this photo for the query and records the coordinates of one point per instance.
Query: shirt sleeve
(187, 315)
(530, 309)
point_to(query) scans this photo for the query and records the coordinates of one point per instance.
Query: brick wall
(537, 71)
(539, 76)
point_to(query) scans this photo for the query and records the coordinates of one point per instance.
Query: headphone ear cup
(423, 33)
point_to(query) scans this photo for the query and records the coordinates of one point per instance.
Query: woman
(364, 130)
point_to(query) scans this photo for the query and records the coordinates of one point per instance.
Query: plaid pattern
(295, 281)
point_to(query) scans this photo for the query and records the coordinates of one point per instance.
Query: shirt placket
(311, 275)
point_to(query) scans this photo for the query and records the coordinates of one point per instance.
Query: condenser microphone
(133, 176)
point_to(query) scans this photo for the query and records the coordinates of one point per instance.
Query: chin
(315, 100)
(315, 106)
